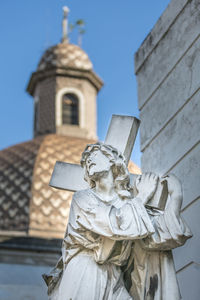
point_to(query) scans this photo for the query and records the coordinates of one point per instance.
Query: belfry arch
(72, 101)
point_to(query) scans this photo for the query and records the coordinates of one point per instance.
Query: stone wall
(167, 68)
(21, 269)
(87, 109)
(46, 93)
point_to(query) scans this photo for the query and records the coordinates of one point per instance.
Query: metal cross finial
(65, 25)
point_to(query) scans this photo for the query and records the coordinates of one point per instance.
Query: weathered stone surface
(68, 176)
(169, 50)
(107, 212)
(168, 89)
(173, 93)
(190, 251)
(160, 28)
(189, 282)
(122, 133)
(187, 170)
(71, 176)
(175, 140)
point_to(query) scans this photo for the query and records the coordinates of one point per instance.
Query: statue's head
(98, 159)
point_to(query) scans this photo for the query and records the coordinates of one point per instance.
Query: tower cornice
(89, 75)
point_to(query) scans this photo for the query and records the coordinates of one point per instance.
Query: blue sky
(114, 32)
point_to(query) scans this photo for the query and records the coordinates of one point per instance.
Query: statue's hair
(119, 168)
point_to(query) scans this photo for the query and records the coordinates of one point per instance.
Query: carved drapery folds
(117, 245)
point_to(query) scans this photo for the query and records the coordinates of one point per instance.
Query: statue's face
(97, 163)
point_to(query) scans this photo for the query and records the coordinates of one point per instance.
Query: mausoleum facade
(167, 68)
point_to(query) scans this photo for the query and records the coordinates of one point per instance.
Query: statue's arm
(170, 229)
(175, 199)
(176, 226)
(131, 221)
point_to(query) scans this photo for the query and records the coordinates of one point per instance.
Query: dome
(65, 55)
(28, 204)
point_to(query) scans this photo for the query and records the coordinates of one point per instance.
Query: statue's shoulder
(81, 194)
(85, 199)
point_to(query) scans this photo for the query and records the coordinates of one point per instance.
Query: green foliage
(79, 24)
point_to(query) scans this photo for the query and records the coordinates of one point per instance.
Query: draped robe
(117, 250)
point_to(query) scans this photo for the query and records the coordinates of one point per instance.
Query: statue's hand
(173, 184)
(175, 192)
(146, 185)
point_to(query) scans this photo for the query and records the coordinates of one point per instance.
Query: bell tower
(64, 88)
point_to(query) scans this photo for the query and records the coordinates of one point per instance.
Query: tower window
(70, 110)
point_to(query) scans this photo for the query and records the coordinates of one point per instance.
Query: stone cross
(121, 135)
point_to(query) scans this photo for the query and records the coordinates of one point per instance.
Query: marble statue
(117, 247)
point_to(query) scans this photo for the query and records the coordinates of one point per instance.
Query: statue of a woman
(115, 248)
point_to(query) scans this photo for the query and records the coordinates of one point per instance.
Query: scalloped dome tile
(65, 55)
(27, 201)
